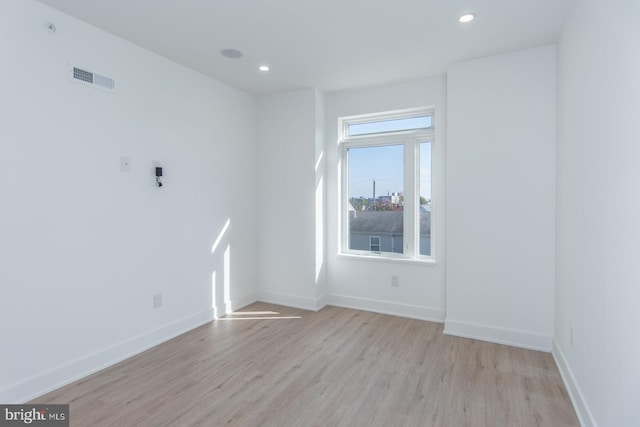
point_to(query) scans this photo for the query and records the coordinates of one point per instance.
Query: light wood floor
(274, 366)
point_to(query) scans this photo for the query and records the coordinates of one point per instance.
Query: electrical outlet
(571, 336)
(395, 281)
(157, 300)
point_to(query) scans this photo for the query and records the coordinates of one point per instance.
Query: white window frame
(411, 140)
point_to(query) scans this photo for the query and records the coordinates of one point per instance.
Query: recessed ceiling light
(231, 53)
(467, 17)
(264, 68)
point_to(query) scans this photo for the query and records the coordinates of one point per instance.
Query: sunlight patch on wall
(213, 290)
(319, 160)
(221, 235)
(319, 227)
(227, 280)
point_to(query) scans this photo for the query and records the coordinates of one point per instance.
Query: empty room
(319, 213)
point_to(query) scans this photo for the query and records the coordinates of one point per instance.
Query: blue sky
(385, 165)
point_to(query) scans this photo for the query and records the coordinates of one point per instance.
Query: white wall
(598, 273)
(83, 246)
(289, 271)
(501, 198)
(366, 284)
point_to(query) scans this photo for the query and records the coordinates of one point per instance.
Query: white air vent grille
(90, 78)
(82, 75)
(104, 81)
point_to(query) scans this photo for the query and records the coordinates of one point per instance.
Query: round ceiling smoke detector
(231, 53)
(49, 26)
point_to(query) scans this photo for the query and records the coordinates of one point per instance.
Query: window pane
(425, 198)
(376, 198)
(374, 243)
(412, 123)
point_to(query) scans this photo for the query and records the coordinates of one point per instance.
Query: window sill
(382, 258)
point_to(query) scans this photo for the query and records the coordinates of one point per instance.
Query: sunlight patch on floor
(257, 315)
(261, 318)
(252, 313)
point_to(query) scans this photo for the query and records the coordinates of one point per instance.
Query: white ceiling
(326, 44)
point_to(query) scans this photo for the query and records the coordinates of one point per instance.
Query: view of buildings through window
(377, 196)
(425, 201)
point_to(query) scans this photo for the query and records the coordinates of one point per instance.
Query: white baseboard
(385, 307)
(244, 301)
(497, 335)
(575, 394)
(235, 304)
(52, 379)
(321, 302)
(289, 300)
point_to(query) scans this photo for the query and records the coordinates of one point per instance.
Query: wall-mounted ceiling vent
(89, 78)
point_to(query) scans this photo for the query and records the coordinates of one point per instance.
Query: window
(424, 221)
(391, 125)
(374, 243)
(386, 184)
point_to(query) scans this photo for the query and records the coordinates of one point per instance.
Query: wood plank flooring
(269, 365)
